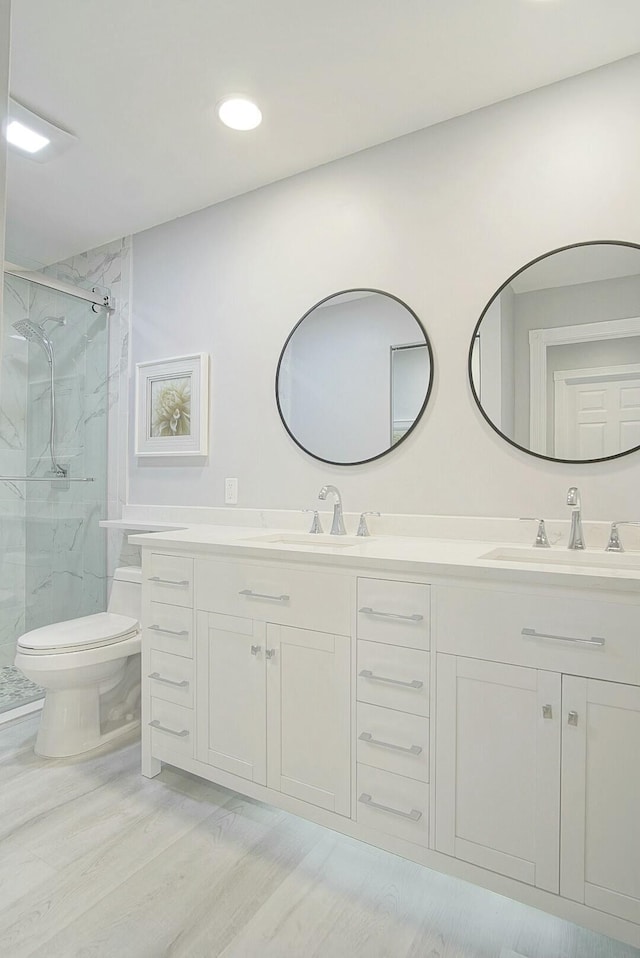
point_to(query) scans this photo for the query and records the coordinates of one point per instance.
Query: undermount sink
(319, 541)
(586, 559)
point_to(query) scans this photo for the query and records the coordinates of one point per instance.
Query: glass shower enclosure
(53, 475)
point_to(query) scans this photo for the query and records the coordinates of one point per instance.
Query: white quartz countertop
(592, 568)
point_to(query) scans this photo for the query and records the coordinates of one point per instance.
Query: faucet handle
(614, 544)
(316, 525)
(363, 529)
(542, 541)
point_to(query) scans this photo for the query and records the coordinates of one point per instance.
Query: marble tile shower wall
(60, 552)
(109, 267)
(13, 406)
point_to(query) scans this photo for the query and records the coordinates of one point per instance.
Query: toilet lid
(87, 632)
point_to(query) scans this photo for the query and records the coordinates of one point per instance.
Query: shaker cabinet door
(231, 703)
(498, 768)
(600, 850)
(308, 716)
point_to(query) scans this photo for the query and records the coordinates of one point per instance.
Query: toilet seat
(76, 635)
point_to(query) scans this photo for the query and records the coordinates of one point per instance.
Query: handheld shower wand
(34, 333)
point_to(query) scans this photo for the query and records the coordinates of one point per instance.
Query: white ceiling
(136, 81)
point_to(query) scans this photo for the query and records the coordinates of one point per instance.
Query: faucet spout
(337, 526)
(576, 536)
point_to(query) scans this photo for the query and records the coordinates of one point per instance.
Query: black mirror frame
(516, 445)
(358, 462)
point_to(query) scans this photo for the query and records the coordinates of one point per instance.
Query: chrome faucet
(337, 526)
(576, 537)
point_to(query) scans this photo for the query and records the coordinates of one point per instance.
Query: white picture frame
(172, 406)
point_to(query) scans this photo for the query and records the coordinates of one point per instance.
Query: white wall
(440, 218)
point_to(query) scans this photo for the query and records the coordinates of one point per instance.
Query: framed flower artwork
(172, 404)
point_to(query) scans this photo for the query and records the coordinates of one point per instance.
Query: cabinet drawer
(170, 579)
(170, 629)
(396, 613)
(172, 728)
(394, 741)
(393, 804)
(393, 677)
(171, 678)
(542, 631)
(270, 593)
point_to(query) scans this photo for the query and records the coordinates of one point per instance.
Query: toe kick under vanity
(479, 717)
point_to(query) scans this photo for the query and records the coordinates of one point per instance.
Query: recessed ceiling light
(24, 138)
(34, 137)
(239, 113)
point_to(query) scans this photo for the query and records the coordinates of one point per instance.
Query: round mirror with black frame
(354, 376)
(554, 361)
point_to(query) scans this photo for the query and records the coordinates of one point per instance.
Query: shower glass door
(52, 555)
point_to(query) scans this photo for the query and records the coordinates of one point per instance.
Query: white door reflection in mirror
(340, 396)
(597, 411)
(553, 357)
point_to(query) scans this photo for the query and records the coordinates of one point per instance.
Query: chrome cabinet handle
(532, 634)
(270, 653)
(157, 628)
(160, 678)
(163, 728)
(368, 674)
(572, 718)
(547, 712)
(263, 595)
(416, 617)
(255, 649)
(414, 815)
(410, 749)
(156, 578)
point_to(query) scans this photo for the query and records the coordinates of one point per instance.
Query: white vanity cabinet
(537, 771)
(498, 768)
(392, 724)
(485, 726)
(273, 707)
(274, 695)
(167, 660)
(600, 833)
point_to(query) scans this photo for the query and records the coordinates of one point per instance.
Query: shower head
(35, 334)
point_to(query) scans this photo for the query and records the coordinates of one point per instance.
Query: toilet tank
(126, 592)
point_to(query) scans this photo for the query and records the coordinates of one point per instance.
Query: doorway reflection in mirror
(555, 358)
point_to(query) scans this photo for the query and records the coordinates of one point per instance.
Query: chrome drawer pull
(157, 628)
(263, 595)
(368, 674)
(178, 685)
(532, 634)
(416, 617)
(414, 815)
(171, 731)
(156, 578)
(410, 749)
(255, 649)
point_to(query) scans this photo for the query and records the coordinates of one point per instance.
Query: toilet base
(70, 724)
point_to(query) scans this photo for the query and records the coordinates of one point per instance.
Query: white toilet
(90, 670)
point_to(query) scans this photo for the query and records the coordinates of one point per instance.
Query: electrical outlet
(231, 491)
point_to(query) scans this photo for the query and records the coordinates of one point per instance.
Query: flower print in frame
(172, 404)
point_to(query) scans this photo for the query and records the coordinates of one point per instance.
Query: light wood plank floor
(98, 862)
